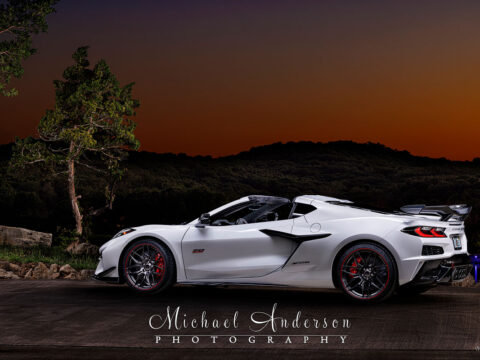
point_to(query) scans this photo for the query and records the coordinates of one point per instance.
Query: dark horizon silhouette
(172, 188)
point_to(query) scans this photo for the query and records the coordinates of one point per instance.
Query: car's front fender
(111, 252)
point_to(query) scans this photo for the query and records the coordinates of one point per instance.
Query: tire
(148, 267)
(366, 273)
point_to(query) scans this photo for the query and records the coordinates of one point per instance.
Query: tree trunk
(73, 197)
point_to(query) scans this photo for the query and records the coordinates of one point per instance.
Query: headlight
(123, 232)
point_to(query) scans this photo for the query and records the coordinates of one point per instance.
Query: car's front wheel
(366, 272)
(148, 266)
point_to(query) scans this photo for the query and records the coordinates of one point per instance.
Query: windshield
(257, 209)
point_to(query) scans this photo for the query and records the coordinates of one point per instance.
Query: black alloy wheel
(367, 272)
(148, 266)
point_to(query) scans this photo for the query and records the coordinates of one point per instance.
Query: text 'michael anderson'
(264, 325)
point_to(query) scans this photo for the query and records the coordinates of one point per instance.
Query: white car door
(236, 251)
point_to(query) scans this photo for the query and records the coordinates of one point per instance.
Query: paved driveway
(90, 320)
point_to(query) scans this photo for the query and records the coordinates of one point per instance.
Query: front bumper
(103, 276)
(444, 271)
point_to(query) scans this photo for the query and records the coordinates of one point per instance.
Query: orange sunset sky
(218, 77)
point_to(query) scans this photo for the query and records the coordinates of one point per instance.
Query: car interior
(260, 209)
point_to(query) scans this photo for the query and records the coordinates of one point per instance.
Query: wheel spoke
(373, 283)
(380, 281)
(367, 287)
(136, 257)
(349, 283)
(134, 272)
(138, 278)
(350, 273)
(367, 261)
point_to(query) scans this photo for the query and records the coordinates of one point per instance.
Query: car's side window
(252, 212)
(300, 209)
(281, 212)
(233, 215)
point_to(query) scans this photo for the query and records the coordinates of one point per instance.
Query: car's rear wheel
(366, 272)
(148, 266)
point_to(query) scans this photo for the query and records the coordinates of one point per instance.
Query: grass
(47, 255)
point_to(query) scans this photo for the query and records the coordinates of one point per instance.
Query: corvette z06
(313, 241)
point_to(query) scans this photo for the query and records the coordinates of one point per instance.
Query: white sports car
(312, 241)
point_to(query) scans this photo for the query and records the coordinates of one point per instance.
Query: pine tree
(90, 126)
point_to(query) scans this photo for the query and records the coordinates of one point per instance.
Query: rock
(71, 276)
(40, 271)
(67, 270)
(469, 281)
(53, 272)
(14, 267)
(25, 269)
(54, 276)
(54, 268)
(15, 236)
(4, 274)
(85, 274)
(82, 249)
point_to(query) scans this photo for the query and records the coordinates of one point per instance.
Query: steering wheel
(241, 221)
(268, 217)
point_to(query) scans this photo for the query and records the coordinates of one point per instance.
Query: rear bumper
(443, 271)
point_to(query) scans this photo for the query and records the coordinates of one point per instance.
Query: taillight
(426, 231)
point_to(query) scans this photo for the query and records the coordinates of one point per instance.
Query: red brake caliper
(356, 262)
(160, 263)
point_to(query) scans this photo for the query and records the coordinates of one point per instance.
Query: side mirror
(203, 220)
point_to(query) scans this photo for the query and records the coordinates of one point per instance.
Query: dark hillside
(169, 188)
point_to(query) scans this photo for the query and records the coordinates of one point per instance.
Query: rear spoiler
(446, 212)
